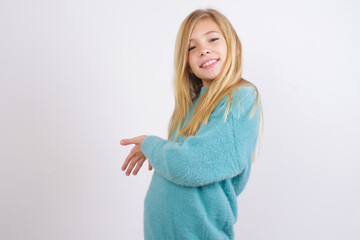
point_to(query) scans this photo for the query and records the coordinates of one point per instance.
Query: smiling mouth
(209, 63)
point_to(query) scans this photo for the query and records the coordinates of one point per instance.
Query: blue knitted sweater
(193, 190)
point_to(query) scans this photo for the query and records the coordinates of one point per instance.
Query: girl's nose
(204, 51)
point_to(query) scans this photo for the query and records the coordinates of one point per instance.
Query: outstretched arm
(212, 154)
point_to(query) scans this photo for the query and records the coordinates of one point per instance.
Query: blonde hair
(187, 86)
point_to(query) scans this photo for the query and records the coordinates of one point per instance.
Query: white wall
(78, 76)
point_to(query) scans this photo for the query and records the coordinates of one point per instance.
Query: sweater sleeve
(211, 155)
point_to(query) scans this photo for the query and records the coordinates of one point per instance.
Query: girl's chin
(210, 77)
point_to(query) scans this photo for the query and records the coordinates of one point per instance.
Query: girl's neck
(207, 83)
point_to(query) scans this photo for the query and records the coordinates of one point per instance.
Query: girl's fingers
(130, 141)
(128, 159)
(138, 165)
(132, 165)
(125, 142)
(150, 167)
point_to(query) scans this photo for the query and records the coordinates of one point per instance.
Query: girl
(205, 163)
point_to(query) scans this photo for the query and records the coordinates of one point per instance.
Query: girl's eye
(211, 40)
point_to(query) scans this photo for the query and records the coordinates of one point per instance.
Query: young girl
(205, 163)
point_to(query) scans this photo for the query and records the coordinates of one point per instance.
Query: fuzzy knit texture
(196, 181)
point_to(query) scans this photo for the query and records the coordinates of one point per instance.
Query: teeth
(208, 63)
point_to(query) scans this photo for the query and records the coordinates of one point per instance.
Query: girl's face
(207, 50)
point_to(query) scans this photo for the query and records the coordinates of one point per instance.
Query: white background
(78, 76)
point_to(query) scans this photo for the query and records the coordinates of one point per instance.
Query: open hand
(136, 156)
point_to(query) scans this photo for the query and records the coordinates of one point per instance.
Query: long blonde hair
(187, 86)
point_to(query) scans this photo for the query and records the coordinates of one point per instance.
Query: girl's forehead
(204, 27)
(204, 35)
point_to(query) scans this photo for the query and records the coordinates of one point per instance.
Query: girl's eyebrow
(206, 34)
